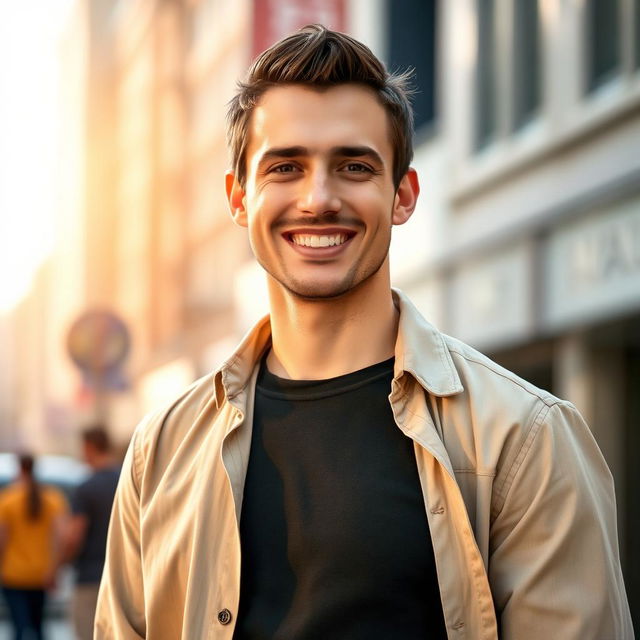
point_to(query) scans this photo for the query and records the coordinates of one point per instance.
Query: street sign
(98, 343)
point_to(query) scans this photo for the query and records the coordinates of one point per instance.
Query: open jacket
(519, 500)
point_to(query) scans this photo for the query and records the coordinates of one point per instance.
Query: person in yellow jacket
(31, 519)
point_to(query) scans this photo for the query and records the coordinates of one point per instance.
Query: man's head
(318, 58)
(321, 143)
(96, 444)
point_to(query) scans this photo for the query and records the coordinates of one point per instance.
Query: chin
(320, 291)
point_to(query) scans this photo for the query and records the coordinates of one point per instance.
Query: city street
(153, 248)
(54, 630)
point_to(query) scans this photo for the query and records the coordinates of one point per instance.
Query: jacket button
(224, 616)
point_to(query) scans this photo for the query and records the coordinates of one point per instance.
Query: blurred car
(63, 473)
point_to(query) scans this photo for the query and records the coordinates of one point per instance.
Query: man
(349, 472)
(86, 535)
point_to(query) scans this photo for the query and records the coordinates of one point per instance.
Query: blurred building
(164, 254)
(38, 386)
(526, 242)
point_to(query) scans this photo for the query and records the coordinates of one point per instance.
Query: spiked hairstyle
(320, 58)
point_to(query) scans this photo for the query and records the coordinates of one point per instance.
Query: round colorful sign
(98, 341)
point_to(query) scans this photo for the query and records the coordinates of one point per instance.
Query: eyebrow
(344, 150)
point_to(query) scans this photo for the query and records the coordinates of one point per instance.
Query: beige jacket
(519, 500)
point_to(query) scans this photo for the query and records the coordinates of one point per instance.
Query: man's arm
(120, 611)
(554, 565)
(57, 542)
(77, 525)
(74, 535)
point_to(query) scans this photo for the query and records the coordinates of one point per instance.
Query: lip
(319, 252)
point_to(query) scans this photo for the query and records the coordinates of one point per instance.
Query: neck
(320, 339)
(101, 461)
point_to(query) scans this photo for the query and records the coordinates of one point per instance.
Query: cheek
(259, 227)
(378, 211)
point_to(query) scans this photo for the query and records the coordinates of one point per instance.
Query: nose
(318, 194)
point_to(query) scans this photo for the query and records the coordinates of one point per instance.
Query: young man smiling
(350, 472)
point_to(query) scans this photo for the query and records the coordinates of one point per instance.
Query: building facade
(534, 232)
(526, 240)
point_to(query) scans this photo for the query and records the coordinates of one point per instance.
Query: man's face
(319, 199)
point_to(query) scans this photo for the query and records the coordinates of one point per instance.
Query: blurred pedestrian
(31, 521)
(86, 534)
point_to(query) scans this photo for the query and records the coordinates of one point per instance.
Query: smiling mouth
(319, 240)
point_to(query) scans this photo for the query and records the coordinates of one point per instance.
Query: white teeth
(318, 241)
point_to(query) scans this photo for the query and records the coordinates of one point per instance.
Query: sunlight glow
(29, 143)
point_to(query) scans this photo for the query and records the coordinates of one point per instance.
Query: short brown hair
(97, 436)
(320, 58)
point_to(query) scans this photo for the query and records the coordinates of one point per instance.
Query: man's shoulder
(180, 410)
(160, 433)
(491, 422)
(447, 367)
(479, 373)
(97, 479)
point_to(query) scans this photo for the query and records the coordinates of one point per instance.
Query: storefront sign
(593, 266)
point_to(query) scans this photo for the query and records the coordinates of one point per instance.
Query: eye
(357, 167)
(284, 168)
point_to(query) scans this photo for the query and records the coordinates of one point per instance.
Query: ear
(406, 197)
(235, 198)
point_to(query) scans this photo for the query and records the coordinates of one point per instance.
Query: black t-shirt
(94, 499)
(335, 539)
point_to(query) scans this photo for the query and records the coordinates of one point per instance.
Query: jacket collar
(234, 374)
(420, 351)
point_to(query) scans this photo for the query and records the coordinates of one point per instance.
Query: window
(412, 44)
(526, 65)
(485, 89)
(508, 70)
(603, 37)
(636, 35)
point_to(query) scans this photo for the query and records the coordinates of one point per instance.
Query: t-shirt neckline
(274, 386)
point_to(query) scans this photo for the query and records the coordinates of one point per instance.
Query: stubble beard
(314, 291)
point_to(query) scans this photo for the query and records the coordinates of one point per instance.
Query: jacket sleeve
(554, 565)
(120, 612)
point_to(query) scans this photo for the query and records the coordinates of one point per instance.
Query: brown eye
(357, 167)
(284, 168)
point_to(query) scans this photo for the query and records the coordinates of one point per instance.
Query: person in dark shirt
(87, 530)
(349, 472)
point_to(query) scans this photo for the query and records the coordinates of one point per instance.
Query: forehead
(295, 115)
